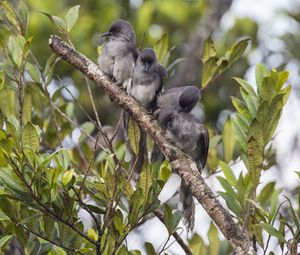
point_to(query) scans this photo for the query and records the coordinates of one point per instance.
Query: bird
(119, 52)
(181, 99)
(192, 137)
(147, 79)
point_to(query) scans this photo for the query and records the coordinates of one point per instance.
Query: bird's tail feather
(187, 206)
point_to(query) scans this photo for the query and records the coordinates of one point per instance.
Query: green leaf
(261, 72)
(268, 89)
(230, 177)
(237, 50)
(149, 248)
(197, 245)
(241, 107)
(239, 132)
(134, 135)
(5, 240)
(161, 49)
(227, 187)
(2, 79)
(265, 195)
(88, 127)
(176, 217)
(71, 17)
(210, 69)
(23, 16)
(33, 72)
(214, 240)
(273, 232)
(10, 14)
(165, 171)
(7, 102)
(246, 86)
(232, 204)
(228, 140)
(208, 50)
(57, 21)
(168, 218)
(67, 177)
(30, 138)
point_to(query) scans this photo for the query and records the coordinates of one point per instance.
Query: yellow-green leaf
(30, 138)
(208, 50)
(228, 140)
(71, 17)
(67, 177)
(134, 135)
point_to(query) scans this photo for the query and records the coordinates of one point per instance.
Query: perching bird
(191, 136)
(181, 99)
(119, 53)
(147, 79)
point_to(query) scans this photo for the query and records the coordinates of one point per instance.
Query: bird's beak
(147, 66)
(106, 34)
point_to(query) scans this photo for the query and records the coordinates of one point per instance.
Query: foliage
(49, 173)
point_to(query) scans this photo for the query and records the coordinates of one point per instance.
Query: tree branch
(180, 162)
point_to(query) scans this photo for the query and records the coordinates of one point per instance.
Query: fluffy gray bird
(191, 136)
(119, 53)
(181, 99)
(147, 79)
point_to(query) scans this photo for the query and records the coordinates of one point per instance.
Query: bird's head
(120, 29)
(148, 58)
(189, 98)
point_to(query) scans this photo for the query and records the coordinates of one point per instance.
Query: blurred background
(272, 25)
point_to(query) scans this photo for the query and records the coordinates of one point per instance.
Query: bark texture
(180, 162)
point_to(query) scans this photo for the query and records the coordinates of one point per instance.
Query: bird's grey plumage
(191, 136)
(119, 53)
(147, 79)
(181, 99)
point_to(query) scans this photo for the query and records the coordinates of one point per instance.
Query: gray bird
(191, 136)
(147, 79)
(181, 99)
(119, 53)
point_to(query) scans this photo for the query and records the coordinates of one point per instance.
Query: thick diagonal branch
(180, 162)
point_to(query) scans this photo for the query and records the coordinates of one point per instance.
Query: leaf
(227, 187)
(261, 72)
(91, 233)
(197, 245)
(57, 21)
(149, 248)
(23, 16)
(7, 102)
(265, 195)
(165, 171)
(208, 49)
(67, 177)
(71, 17)
(209, 70)
(228, 140)
(232, 204)
(268, 89)
(240, 134)
(214, 240)
(237, 50)
(241, 107)
(273, 232)
(30, 138)
(88, 128)
(2, 79)
(246, 86)
(5, 240)
(230, 177)
(168, 218)
(161, 49)
(134, 135)
(10, 14)
(33, 72)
